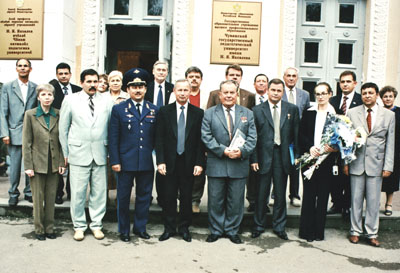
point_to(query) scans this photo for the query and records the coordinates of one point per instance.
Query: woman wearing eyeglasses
(315, 190)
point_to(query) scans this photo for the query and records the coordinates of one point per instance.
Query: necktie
(261, 99)
(138, 108)
(230, 123)
(91, 105)
(343, 107)
(277, 133)
(369, 123)
(291, 97)
(65, 90)
(180, 147)
(160, 97)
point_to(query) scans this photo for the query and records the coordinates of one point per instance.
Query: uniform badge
(129, 116)
(129, 126)
(126, 110)
(244, 119)
(129, 106)
(152, 112)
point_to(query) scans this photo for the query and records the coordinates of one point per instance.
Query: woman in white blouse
(316, 190)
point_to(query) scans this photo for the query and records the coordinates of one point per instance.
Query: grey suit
(302, 102)
(12, 111)
(374, 157)
(274, 161)
(83, 138)
(226, 177)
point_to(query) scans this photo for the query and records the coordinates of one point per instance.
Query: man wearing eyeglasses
(17, 97)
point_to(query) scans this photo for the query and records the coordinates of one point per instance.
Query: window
(154, 7)
(346, 14)
(313, 12)
(121, 7)
(311, 50)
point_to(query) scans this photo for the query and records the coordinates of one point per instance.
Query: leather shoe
(235, 239)
(79, 235)
(281, 234)
(59, 200)
(13, 201)
(142, 234)
(354, 239)
(124, 237)
(98, 234)
(251, 207)
(186, 236)
(255, 233)
(28, 198)
(212, 238)
(334, 210)
(40, 237)
(51, 235)
(166, 236)
(374, 242)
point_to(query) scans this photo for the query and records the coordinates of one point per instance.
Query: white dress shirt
(179, 110)
(287, 91)
(232, 114)
(373, 114)
(271, 108)
(68, 87)
(320, 120)
(156, 88)
(264, 98)
(140, 107)
(24, 89)
(348, 101)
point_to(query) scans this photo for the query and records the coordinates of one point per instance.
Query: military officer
(131, 142)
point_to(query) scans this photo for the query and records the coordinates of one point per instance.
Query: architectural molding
(180, 38)
(289, 33)
(91, 19)
(377, 53)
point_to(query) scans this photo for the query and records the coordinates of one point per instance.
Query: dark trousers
(178, 181)
(225, 204)
(144, 187)
(315, 201)
(198, 188)
(294, 183)
(251, 185)
(340, 190)
(279, 179)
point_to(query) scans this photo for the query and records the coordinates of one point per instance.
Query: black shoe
(59, 200)
(40, 237)
(310, 240)
(281, 234)
(319, 239)
(51, 235)
(142, 234)
(255, 233)
(166, 236)
(334, 210)
(13, 201)
(212, 238)
(28, 198)
(235, 239)
(124, 237)
(346, 213)
(186, 236)
(251, 207)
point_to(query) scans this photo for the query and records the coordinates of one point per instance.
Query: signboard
(236, 32)
(21, 29)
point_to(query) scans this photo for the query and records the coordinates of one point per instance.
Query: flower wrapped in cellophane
(339, 134)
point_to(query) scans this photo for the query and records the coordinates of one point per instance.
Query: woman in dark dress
(315, 190)
(390, 184)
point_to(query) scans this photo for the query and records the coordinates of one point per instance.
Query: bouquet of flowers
(339, 134)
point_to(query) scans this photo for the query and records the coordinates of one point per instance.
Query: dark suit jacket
(247, 99)
(167, 138)
(335, 102)
(289, 127)
(59, 93)
(151, 90)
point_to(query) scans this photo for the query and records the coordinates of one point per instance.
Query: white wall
(269, 48)
(58, 44)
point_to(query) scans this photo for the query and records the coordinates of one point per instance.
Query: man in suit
(349, 98)
(261, 88)
(16, 97)
(277, 124)
(180, 157)
(131, 142)
(244, 98)
(158, 93)
(373, 162)
(227, 166)
(301, 99)
(199, 99)
(83, 128)
(62, 88)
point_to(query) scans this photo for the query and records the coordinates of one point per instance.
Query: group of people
(104, 137)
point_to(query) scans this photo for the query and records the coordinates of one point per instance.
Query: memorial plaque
(236, 31)
(21, 29)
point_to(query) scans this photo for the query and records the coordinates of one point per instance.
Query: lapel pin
(126, 110)
(288, 116)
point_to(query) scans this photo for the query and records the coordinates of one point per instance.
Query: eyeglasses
(321, 94)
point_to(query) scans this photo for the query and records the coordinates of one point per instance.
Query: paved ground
(22, 253)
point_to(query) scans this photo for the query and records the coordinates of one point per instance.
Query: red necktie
(343, 107)
(369, 120)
